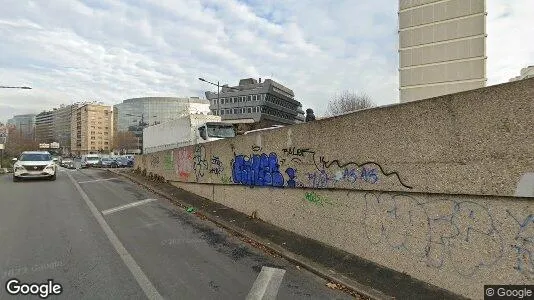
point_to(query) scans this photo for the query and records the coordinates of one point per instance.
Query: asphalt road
(77, 232)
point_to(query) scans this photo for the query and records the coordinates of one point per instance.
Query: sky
(108, 50)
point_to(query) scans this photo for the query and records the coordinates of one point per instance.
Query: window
(106, 128)
(215, 101)
(92, 132)
(92, 148)
(222, 112)
(249, 98)
(105, 132)
(234, 99)
(92, 143)
(249, 110)
(228, 111)
(92, 137)
(236, 111)
(106, 143)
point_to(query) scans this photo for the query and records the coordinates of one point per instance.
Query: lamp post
(142, 125)
(218, 92)
(15, 87)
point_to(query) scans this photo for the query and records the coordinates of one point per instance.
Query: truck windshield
(221, 131)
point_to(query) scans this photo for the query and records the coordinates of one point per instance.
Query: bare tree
(17, 143)
(125, 140)
(348, 102)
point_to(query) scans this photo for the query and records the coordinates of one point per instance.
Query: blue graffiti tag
(292, 173)
(258, 170)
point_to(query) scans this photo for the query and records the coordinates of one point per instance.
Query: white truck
(185, 131)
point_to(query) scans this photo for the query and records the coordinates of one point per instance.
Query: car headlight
(50, 167)
(18, 167)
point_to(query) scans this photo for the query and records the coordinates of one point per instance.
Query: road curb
(307, 264)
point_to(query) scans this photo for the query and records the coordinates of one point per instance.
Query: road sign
(44, 146)
(1, 146)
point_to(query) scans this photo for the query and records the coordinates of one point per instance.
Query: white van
(91, 160)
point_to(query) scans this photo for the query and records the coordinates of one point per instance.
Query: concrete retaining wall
(439, 189)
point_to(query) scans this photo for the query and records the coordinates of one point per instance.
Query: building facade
(25, 126)
(132, 115)
(43, 127)
(442, 47)
(254, 101)
(61, 128)
(527, 72)
(92, 129)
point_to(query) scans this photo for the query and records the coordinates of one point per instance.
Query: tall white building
(442, 47)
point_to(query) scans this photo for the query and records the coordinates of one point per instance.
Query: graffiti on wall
(316, 199)
(154, 161)
(262, 169)
(168, 161)
(183, 162)
(225, 179)
(435, 232)
(216, 166)
(524, 245)
(257, 170)
(200, 164)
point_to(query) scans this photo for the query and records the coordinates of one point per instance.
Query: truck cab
(212, 131)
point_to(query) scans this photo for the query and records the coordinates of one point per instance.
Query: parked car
(34, 164)
(108, 162)
(67, 163)
(123, 162)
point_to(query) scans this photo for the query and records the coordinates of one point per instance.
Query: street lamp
(141, 126)
(218, 92)
(15, 87)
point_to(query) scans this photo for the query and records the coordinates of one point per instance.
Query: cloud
(73, 50)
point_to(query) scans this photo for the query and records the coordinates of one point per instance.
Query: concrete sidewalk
(347, 270)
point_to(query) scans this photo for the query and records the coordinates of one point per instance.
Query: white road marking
(267, 284)
(97, 180)
(123, 207)
(140, 277)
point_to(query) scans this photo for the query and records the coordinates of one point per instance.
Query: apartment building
(61, 125)
(43, 127)
(92, 129)
(442, 47)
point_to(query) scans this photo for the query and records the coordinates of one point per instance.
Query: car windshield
(35, 157)
(221, 131)
(106, 159)
(92, 158)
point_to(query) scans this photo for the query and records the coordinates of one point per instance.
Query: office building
(43, 127)
(92, 129)
(527, 72)
(132, 115)
(255, 101)
(442, 47)
(24, 126)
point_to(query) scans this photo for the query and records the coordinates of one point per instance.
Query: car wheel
(53, 177)
(16, 178)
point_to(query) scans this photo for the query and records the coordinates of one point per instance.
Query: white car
(34, 164)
